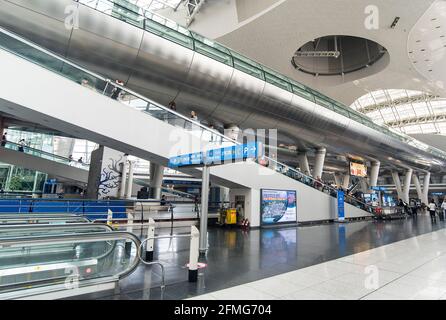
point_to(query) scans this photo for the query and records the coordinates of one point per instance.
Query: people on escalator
(193, 116)
(4, 139)
(172, 106)
(70, 158)
(116, 92)
(22, 145)
(318, 183)
(80, 160)
(432, 208)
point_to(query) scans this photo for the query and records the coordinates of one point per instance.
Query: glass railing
(171, 31)
(32, 52)
(29, 268)
(45, 155)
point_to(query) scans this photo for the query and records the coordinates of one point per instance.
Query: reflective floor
(411, 269)
(236, 257)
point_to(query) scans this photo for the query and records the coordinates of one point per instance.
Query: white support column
(346, 181)
(374, 173)
(303, 163)
(319, 162)
(426, 183)
(364, 185)
(156, 179)
(338, 179)
(194, 254)
(406, 187)
(150, 242)
(204, 209)
(397, 182)
(123, 177)
(129, 185)
(417, 183)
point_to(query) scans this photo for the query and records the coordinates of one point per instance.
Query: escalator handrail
(84, 165)
(71, 226)
(125, 89)
(77, 238)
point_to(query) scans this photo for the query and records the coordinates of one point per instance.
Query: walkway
(414, 268)
(248, 263)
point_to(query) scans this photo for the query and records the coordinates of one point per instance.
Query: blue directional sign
(216, 156)
(379, 188)
(341, 209)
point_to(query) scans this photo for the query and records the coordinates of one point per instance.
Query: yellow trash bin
(231, 216)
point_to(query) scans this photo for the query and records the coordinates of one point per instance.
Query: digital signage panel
(278, 206)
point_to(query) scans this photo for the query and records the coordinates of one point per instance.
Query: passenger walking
(432, 208)
(4, 139)
(22, 145)
(443, 207)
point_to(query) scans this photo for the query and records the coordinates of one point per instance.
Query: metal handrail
(158, 262)
(28, 148)
(70, 227)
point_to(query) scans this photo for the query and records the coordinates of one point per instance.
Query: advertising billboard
(358, 169)
(278, 206)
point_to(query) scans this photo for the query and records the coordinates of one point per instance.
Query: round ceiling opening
(337, 55)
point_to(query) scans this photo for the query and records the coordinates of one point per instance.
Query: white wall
(312, 205)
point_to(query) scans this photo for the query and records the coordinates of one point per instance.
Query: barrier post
(128, 243)
(109, 217)
(151, 241)
(193, 254)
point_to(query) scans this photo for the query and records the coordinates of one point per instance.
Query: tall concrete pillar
(397, 182)
(124, 167)
(374, 173)
(224, 194)
(156, 180)
(346, 181)
(364, 185)
(129, 185)
(406, 187)
(303, 163)
(426, 183)
(417, 183)
(338, 179)
(319, 162)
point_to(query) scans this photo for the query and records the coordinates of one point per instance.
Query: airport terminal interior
(222, 150)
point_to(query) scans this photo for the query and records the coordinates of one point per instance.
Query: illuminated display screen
(358, 169)
(278, 206)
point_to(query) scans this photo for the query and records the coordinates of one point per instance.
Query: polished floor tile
(305, 257)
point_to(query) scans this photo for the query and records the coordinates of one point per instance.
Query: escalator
(89, 93)
(59, 261)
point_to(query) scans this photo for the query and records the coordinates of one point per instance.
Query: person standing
(22, 144)
(116, 90)
(432, 208)
(443, 207)
(4, 139)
